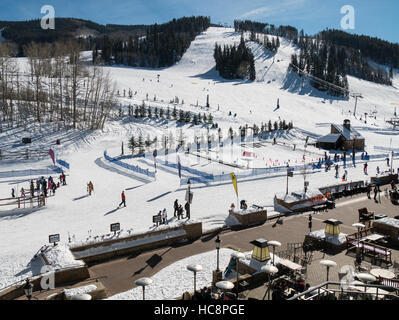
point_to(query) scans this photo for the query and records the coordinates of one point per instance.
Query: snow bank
(69, 293)
(128, 244)
(257, 265)
(61, 257)
(122, 234)
(336, 240)
(296, 196)
(163, 288)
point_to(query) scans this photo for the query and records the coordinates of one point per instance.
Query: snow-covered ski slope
(192, 79)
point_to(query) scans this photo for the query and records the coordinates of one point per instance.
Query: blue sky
(375, 18)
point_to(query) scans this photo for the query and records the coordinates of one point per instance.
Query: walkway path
(119, 275)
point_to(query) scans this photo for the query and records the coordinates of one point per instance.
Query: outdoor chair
(395, 266)
(365, 215)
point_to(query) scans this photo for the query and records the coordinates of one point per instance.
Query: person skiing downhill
(123, 199)
(365, 168)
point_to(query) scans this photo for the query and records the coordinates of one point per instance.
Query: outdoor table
(386, 274)
(374, 237)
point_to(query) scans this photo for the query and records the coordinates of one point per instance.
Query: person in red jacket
(123, 199)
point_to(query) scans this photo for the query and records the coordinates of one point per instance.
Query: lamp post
(274, 244)
(28, 289)
(143, 282)
(328, 264)
(189, 198)
(217, 241)
(237, 256)
(269, 269)
(194, 268)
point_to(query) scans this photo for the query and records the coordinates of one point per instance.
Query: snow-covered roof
(330, 138)
(298, 195)
(349, 134)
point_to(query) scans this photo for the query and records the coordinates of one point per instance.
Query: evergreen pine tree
(140, 144)
(132, 144)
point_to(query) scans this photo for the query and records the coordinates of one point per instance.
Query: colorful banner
(234, 181)
(52, 155)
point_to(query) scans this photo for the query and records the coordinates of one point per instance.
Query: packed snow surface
(79, 218)
(162, 288)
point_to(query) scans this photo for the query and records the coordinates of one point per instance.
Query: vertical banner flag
(155, 160)
(179, 166)
(234, 181)
(51, 153)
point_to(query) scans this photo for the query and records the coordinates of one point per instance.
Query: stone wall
(62, 277)
(252, 218)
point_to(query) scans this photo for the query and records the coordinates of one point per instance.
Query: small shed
(342, 137)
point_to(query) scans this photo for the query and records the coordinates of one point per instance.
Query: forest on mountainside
(235, 62)
(331, 55)
(161, 46)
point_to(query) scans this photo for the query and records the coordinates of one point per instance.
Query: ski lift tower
(356, 96)
(395, 104)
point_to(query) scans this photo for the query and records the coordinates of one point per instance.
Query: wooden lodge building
(342, 137)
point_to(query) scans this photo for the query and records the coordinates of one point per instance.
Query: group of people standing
(41, 186)
(178, 210)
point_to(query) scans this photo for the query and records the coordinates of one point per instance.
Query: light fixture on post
(217, 275)
(224, 285)
(270, 270)
(274, 244)
(194, 268)
(188, 198)
(332, 227)
(328, 264)
(28, 289)
(237, 256)
(143, 282)
(217, 242)
(261, 250)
